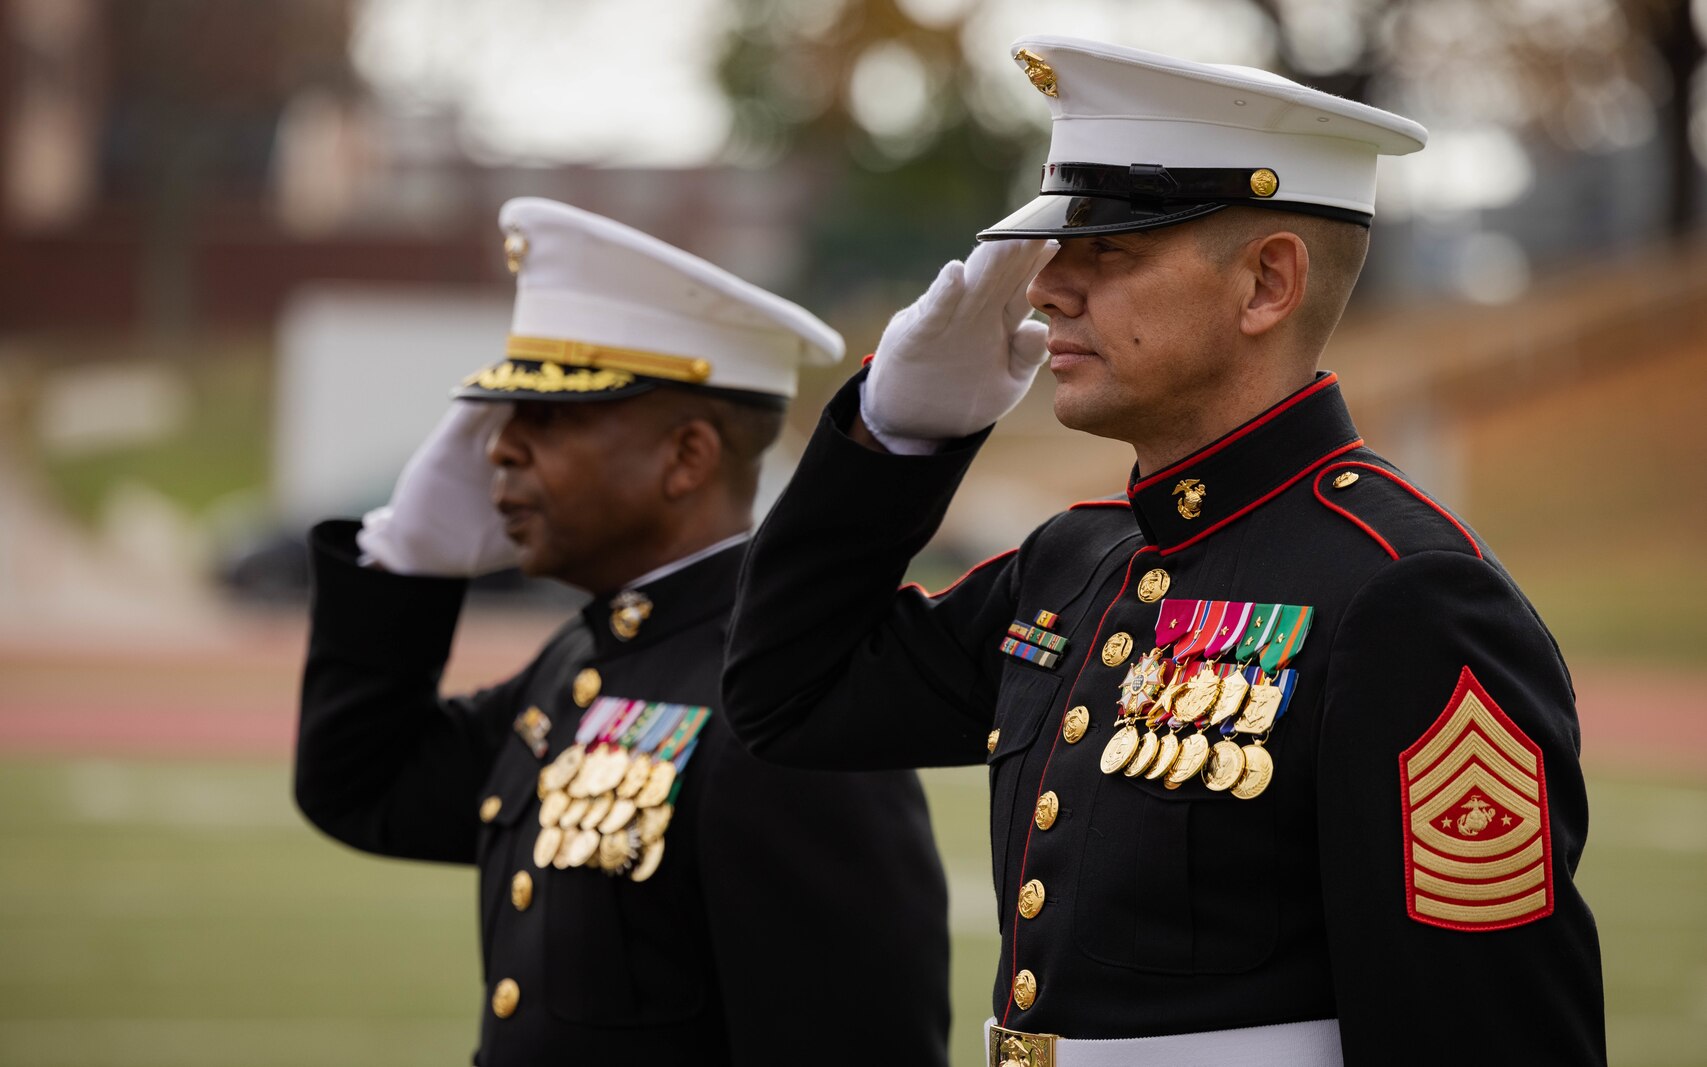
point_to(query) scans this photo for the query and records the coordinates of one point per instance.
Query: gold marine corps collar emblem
(628, 610)
(1191, 493)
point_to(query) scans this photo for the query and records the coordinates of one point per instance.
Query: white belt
(1311, 1044)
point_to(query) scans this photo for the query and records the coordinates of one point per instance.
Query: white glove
(963, 354)
(441, 520)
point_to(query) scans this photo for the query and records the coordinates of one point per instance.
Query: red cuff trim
(1121, 504)
(866, 362)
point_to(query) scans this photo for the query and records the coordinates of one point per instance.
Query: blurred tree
(825, 82)
(1595, 75)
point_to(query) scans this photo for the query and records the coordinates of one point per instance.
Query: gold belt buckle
(1012, 1048)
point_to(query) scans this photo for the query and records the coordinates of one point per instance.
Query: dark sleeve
(382, 763)
(1455, 941)
(801, 872)
(828, 665)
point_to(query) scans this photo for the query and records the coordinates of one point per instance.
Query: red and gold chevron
(1478, 854)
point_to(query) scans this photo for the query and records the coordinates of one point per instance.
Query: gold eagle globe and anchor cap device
(604, 311)
(1141, 140)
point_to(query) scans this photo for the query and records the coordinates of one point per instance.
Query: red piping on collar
(1272, 413)
(1265, 498)
(950, 587)
(1409, 488)
(1013, 968)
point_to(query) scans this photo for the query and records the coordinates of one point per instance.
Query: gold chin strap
(606, 357)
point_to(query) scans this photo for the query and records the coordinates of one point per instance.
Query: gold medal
(1163, 706)
(617, 851)
(618, 817)
(614, 770)
(1119, 749)
(1199, 695)
(574, 813)
(597, 810)
(1193, 752)
(582, 846)
(1230, 699)
(1226, 765)
(1116, 649)
(545, 846)
(581, 784)
(1259, 712)
(1165, 756)
(1259, 771)
(654, 821)
(1074, 725)
(1148, 746)
(552, 807)
(657, 787)
(635, 776)
(650, 857)
(561, 771)
(561, 860)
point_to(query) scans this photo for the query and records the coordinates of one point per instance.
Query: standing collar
(671, 598)
(1188, 500)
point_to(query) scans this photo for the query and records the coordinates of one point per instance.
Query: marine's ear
(1277, 266)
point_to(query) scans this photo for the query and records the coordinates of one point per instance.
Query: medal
(639, 769)
(657, 787)
(1165, 756)
(654, 821)
(551, 808)
(1231, 697)
(617, 851)
(559, 772)
(1193, 752)
(1225, 766)
(596, 811)
(1119, 749)
(1198, 696)
(1148, 746)
(581, 847)
(1259, 771)
(545, 846)
(620, 813)
(651, 855)
(574, 813)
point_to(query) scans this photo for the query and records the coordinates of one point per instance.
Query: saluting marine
(1234, 717)
(649, 892)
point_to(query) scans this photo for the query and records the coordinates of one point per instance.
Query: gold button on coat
(1116, 649)
(1344, 478)
(1025, 989)
(1031, 896)
(990, 742)
(1074, 725)
(490, 807)
(1048, 806)
(505, 996)
(521, 890)
(1154, 585)
(586, 687)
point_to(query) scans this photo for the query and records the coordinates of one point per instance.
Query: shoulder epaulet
(1401, 518)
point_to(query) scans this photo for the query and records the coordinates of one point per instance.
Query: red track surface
(235, 695)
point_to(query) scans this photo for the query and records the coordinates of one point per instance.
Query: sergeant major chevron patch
(1478, 854)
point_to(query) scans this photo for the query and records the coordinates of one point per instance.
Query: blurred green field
(179, 914)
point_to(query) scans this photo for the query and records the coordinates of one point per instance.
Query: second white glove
(441, 520)
(963, 354)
